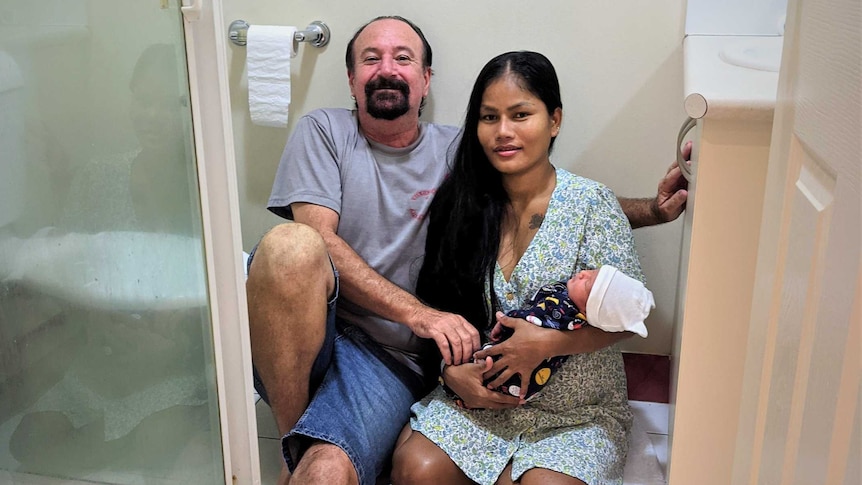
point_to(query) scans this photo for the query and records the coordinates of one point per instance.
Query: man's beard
(388, 105)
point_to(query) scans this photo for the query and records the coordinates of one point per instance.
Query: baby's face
(579, 287)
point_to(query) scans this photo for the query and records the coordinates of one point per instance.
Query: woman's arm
(584, 340)
(531, 344)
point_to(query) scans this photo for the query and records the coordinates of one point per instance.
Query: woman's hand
(519, 354)
(466, 381)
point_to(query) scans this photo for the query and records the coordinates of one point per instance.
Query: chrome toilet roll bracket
(317, 33)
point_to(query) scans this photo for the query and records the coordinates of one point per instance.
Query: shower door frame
(214, 150)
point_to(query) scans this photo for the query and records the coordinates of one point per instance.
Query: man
(360, 184)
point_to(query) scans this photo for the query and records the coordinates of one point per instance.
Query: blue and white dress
(579, 424)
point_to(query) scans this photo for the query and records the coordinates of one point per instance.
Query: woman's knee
(543, 476)
(419, 461)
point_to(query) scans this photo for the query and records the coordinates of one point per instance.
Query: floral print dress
(579, 423)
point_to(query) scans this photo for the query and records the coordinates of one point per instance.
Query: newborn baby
(613, 301)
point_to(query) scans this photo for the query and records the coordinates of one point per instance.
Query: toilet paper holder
(317, 33)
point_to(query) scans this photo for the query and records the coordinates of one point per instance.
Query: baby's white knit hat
(619, 302)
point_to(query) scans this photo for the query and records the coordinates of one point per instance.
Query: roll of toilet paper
(269, 49)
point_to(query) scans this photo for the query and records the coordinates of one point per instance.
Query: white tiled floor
(268, 443)
(647, 460)
(651, 419)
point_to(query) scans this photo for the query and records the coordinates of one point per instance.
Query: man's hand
(668, 203)
(519, 354)
(466, 381)
(672, 190)
(456, 338)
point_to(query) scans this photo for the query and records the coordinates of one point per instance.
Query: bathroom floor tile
(270, 459)
(643, 463)
(266, 427)
(652, 415)
(659, 443)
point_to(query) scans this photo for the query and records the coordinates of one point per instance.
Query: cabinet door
(800, 420)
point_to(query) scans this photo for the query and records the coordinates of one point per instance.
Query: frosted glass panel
(106, 369)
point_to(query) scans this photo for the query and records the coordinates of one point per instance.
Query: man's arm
(668, 203)
(456, 338)
(641, 212)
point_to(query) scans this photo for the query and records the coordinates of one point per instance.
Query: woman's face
(157, 111)
(515, 129)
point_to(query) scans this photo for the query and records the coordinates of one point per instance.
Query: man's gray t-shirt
(381, 194)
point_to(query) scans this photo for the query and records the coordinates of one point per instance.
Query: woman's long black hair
(467, 212)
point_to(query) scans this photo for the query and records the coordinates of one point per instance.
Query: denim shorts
(361, 398)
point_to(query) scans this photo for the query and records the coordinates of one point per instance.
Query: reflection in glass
(106, 368)
(147, 187)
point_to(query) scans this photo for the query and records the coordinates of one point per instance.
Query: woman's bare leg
(418, 461)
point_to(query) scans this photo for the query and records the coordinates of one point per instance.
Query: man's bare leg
(289, 284)
(324, 463)
(284, 475)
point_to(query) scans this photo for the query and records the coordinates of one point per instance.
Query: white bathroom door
(800, 421)
(124, 349)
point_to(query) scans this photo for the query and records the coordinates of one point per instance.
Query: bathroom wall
(619, 63)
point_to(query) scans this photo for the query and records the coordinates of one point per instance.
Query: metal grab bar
(684, 167)
(696, 107)
(317, 33)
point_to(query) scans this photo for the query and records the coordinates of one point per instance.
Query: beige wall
(619, 63)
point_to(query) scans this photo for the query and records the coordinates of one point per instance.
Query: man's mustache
(385, 83)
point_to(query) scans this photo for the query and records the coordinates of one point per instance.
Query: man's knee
(325, 463)
(292, 244)
(291, 248)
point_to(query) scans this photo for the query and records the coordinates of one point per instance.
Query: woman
(505, 222)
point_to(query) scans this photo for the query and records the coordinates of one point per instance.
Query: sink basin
(762, 53)
(734, 77)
